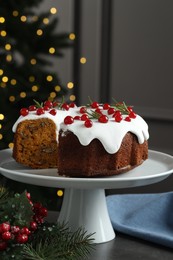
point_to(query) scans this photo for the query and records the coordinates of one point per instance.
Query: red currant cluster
(102, 113)
(20, 235)
(46, 106)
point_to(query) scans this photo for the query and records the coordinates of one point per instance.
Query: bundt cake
(102, 140)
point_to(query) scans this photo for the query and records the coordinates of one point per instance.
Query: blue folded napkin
(146, 216)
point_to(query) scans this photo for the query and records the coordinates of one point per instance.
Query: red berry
(111, 111)
(84, 117)
(28, 195)
(95, 105)
(68, 120)
(32, 108)
(106, 106)
(65, 106)
(33, 226)
(40, 111)
(132, 114)
(3, 245)
(77, 118)
(103, 119)
(130, 109)
(15, 229)
(24, 111)
(6, 235)
(82, 110)
(128, 119)
(88, 123)
(43, 212)
(117, 113)
(72, 105)
(48, 104)
(98, 111)
(22, 238)
(55, 104)
(53, 112)
(4, 227)
(25, 230)
(118, 118)
(46, 108)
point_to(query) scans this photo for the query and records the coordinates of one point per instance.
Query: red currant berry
(95, 105)
(130, 109)
(55, 104)
(15, 229)
(127, 118)
(6, 235)
(4, 227)
(33, 226)
(71, 105)
(46, 108)
(132, 114)
(111, 111)
(37, 205)
(84, 117)
(117, 113)
(32, 108)
(38, 219)
(77, 118)
(25, 230)
(28, 195)
(118, 118)
(40, 111)
(53, 112)
(103, 119)
(3, 245)
(22, 238)
(24, 111)
(98, 111)
(82, 110)
(68, 120)
(106, 106)
(65, 106)
(48, 103)
(88, 123)
(43, 212)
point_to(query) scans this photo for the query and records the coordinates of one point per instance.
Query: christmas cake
(102, 140)
(36, 134)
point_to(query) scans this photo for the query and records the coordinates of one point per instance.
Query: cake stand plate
(84, 203)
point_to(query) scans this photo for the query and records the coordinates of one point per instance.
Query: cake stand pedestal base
(87, 209)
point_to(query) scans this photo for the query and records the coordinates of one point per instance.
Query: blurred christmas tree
(27, 43)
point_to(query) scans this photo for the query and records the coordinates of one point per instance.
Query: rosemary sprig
(38, 105)
(121, 106)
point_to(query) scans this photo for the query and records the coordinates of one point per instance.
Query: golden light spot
(8, 46)
(35, 18)
(22, 94)
(60, 193)
(51, 50)
(45, 20)
(1, 72)
(3, 33)
(53, 10)
(0, 126)
(3, 85)
(39, 32)
(31, 78)
(5, 79)
(1, 136)
(1, 117)
(12, 98)
(13, 82)
(70, 85)
(9, 57)
(2, 20)
(33, 61)
(23, 18)
(34, 88)
(72, 36)
(49, 78)
(15, 13)
(72, 98)
(83, 60)
(57, 88)
(11, 145)
(52, 94)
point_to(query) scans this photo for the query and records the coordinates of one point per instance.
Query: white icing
(109, 134)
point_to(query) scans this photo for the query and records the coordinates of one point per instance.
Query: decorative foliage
(24, 234)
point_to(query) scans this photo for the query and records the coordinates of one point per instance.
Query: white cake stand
(84, 203)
